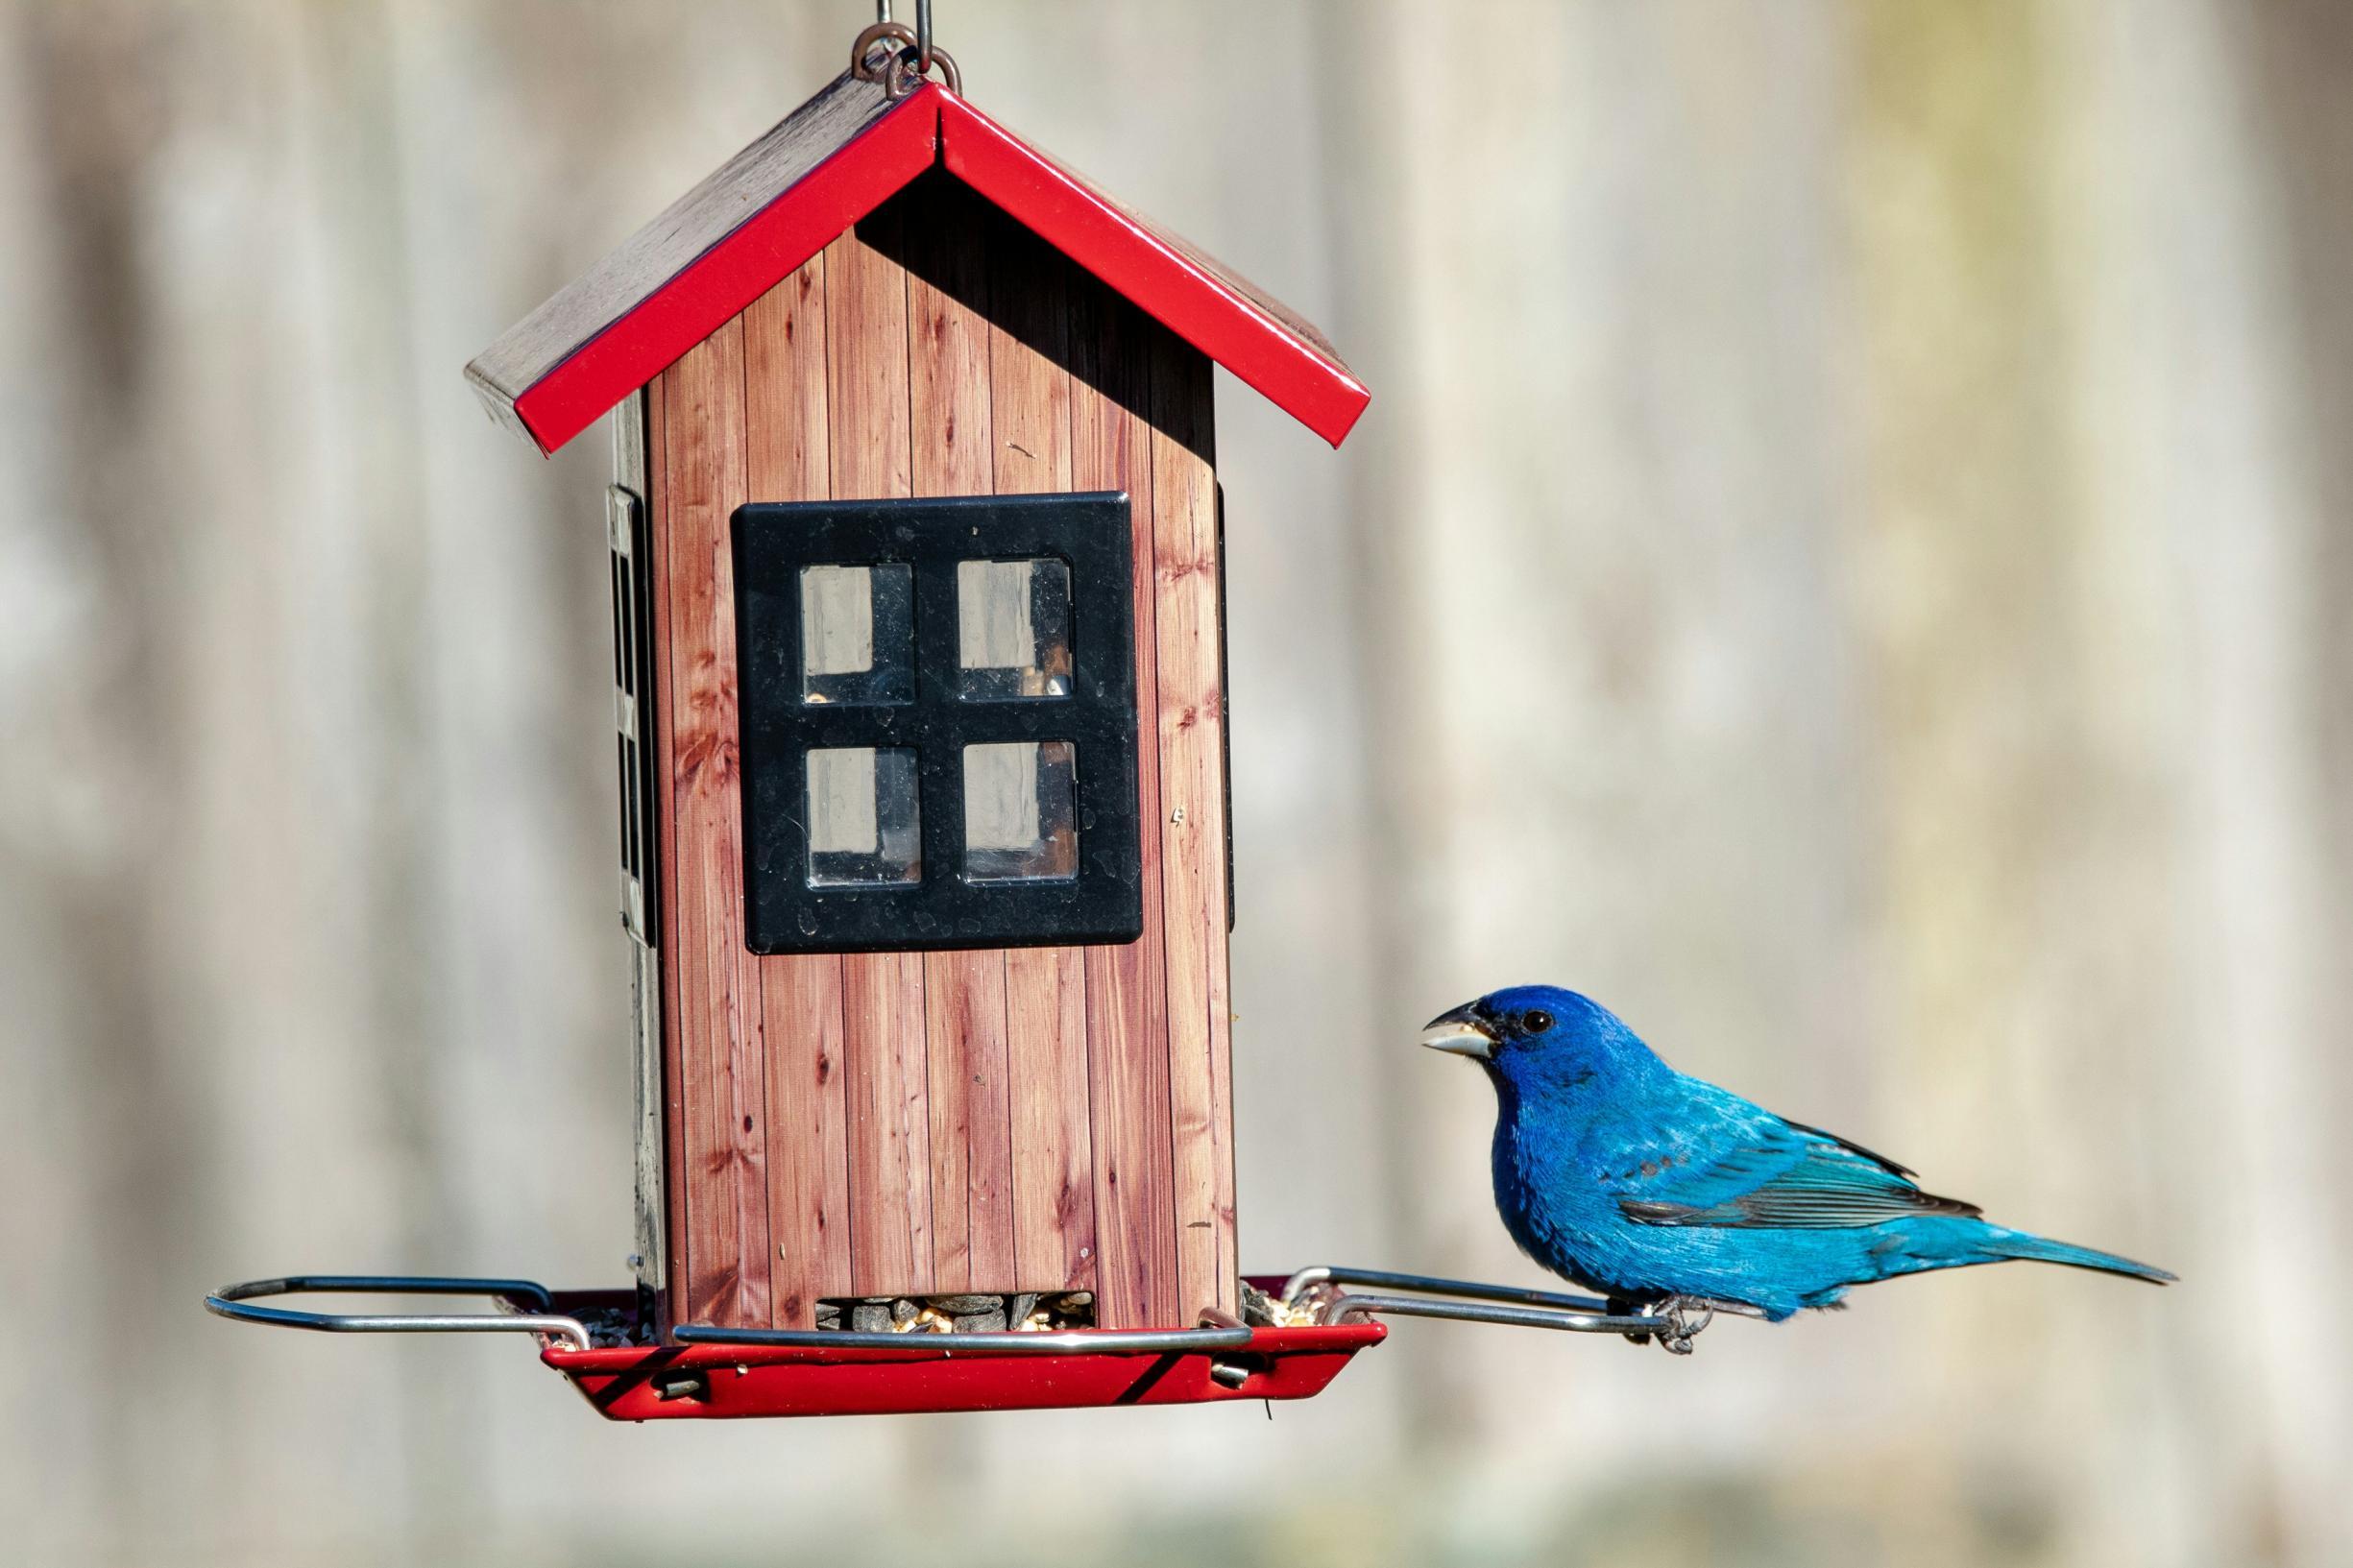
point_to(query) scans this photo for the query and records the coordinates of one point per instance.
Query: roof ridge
(811, 177)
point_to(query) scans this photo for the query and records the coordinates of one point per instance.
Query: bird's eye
(1536, 1023)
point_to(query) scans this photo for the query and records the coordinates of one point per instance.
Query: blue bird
(1664, 1192)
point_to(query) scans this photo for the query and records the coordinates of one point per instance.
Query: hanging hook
(904, 61)
(923, 38)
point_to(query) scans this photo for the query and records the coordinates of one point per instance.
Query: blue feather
(1616, 1171)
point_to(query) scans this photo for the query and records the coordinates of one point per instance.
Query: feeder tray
(714, 1373)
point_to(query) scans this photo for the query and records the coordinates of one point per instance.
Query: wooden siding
(718, 982)
(786, 402)
(1192, 709)
(1128, 998)
(965, 993)
(1023, 1119)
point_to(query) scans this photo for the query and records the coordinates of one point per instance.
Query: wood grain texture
(704, 461)
(1032, 292)
(808, 1156)
(867, 394)
(889, 1126)
(674, 1300)
(1126, 984)
(965, 993)
(1191, 706)
(865, 361)
(971, 1122)
(1053, 1148)
(1054, 1195)
(808, 1120)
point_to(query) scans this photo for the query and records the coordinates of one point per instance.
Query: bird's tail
(2017, 1244)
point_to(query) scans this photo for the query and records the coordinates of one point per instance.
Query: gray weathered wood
(689, 226)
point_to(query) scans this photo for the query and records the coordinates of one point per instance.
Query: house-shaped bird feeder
(922, 761)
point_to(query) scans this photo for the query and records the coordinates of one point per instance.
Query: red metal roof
(792, 192)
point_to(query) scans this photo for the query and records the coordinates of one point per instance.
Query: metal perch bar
(1468, 1301)
(234, 1301)
(1474, 1311)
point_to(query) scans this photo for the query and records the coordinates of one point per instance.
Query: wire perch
(1323, 1295)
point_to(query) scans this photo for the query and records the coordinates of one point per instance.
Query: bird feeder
(917, 589)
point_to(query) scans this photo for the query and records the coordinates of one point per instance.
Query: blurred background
(1850, 561)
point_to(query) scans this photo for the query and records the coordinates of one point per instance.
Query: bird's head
(1539, 1039)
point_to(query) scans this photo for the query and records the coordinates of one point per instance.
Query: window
(863, 827)
(858, 633)
(937, 702)
(1012, 629)
(1021, 812)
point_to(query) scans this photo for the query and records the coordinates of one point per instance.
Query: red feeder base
(931, 1372)
(710, 1380)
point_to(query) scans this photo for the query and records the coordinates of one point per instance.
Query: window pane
(1021, 819)
(863, 827)
(1012, 629)
(858, 633)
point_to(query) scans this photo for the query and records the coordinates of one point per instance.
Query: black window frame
(1090, 533)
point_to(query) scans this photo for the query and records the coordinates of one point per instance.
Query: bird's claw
(1682, 1320)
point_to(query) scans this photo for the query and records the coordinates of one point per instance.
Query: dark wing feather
(1784, 1175)
(1874, 1157)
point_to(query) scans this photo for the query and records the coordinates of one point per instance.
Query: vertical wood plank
(865, 361)
(1193, 825)
(704, 459)
(785, 389)
(890, 1130)
(868, 391)
(1054, 1197)
(971, 1127)
(676, 1306)
(809, 1172)
(1032, 289)
(1127, 995)
(965, 993)
(808, 1118)
(1055, 1214)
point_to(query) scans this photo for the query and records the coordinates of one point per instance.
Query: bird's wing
(1738, 1166)
(1851, 1145)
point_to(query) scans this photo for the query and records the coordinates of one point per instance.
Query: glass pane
(858, 633)
(1021, 819)
(1012, 629)
(863, 827)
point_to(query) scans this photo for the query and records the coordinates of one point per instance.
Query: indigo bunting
(1664, 1191)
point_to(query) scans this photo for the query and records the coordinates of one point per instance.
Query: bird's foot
(1685, 1318)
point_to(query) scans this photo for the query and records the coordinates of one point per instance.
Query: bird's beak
(1462, 1032)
